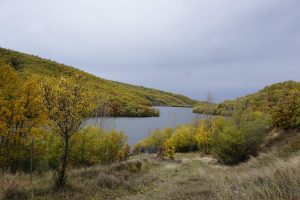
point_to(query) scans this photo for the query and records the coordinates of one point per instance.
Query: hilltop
(125, 99)
(265, 100)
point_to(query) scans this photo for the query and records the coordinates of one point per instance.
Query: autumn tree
(169, 150)
(203, 135)
(286, 114)
(21, 115)
(68, 105)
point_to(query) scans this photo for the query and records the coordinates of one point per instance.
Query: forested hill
(125, 99)
(281, 100)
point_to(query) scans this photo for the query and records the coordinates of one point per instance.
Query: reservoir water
(137, 128)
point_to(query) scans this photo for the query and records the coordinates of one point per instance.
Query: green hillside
(280, 99)
(125, 99)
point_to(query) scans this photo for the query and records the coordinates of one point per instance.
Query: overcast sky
(229, 47)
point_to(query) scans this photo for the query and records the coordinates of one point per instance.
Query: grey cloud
(227, 46)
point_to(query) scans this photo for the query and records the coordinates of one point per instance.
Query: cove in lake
(137, 128)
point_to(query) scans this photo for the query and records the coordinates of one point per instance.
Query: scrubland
(189, 176)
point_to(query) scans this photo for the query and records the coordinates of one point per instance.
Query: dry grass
(201, 178)
(190, 176)
(99, 182)
(263, 178)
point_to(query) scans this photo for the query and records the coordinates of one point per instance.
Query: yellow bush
(183, 139)
(203, 135)
(92, 146)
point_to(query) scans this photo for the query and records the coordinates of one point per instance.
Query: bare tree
(210, 102)
(102, 111)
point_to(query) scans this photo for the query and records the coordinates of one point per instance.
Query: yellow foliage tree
(68, 105)
(203, 135)
(21, 113)
(169, 150)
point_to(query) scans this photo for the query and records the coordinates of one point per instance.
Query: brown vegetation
(189, 176)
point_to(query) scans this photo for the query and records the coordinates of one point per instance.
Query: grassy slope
(263, 100)
(27, 65)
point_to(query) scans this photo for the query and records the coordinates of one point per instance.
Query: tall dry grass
(109, 181)
(194, 177)
(264, 178)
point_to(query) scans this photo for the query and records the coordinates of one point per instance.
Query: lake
(137, 128)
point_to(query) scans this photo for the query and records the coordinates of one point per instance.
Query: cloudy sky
(229, 47)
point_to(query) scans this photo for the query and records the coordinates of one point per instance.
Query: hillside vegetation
(236, 138)
(123, 99)
(268, 100)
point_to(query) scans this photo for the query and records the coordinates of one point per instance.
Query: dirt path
(174, 178)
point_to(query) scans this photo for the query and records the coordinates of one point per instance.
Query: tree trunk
(61, 171)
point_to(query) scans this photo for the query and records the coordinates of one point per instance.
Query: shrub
(233, 141)
(110, 146)
(228, 145)
(203, 135)
(84, 146)
(183, 139)
(169, 150)
(124, 152)
(111, 181)
(132, 167)
(92, 145)
(53, 149)
(286, 114)
(207, 108)
(154, 142)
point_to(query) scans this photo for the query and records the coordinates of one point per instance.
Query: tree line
(50, 113)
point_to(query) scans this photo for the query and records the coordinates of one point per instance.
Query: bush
(207, 108)
(233, 142)
(203, 135)
(169, 151)
(183, 139)
(154, 142)
(124, 153)
(286, 114)
(132, 167)
(92, 146)
(228, 145)
(111, 181)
